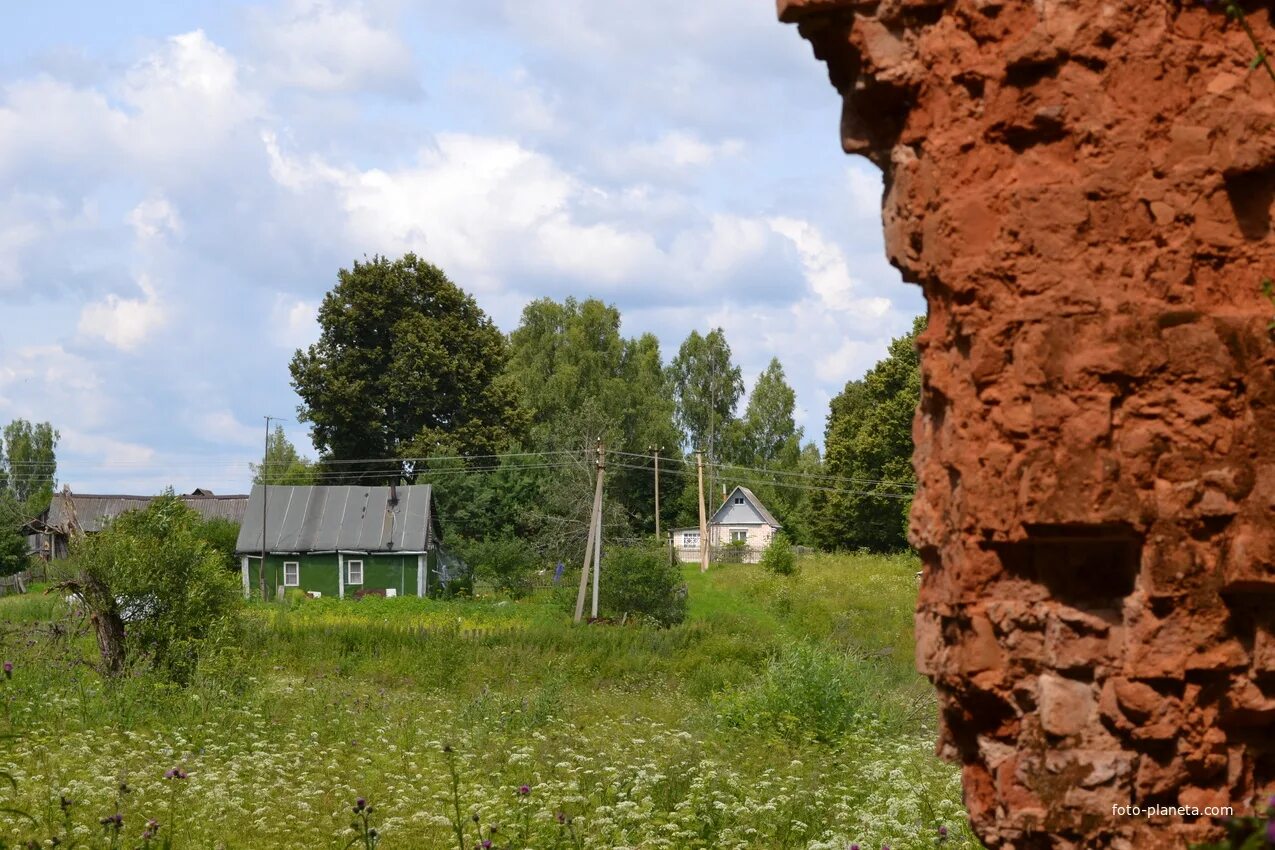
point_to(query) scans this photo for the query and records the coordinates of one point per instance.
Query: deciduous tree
(28, 465)
(405, 361)
(282, 463)
(868, 443)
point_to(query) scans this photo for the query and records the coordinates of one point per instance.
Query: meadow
(784, 713)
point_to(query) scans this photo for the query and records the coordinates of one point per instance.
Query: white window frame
(739, 535)
(296, 575)
(349, 572)
(690, 538)
(739, 500)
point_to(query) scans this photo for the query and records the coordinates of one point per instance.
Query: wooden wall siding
(319, 573)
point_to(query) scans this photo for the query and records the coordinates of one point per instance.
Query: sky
(181, 181)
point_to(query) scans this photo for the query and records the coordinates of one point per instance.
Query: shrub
(807, 692)
(778, 557)
(222, 535)
(509, 564)
(640, 581)
(155, 591)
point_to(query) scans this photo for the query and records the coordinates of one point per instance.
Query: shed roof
(328, 519)
(93, 511)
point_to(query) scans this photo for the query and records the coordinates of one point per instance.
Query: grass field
(784, 713)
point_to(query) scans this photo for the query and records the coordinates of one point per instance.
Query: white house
(742, 518)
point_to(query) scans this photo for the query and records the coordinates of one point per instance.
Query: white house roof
(755, 513)
(328, 519)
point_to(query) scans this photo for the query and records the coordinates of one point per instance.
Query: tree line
(411, 381)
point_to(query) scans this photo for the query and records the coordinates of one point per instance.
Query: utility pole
(703, 519)
(656, 454)
(597, 536)
(593, 544)
(265, 493)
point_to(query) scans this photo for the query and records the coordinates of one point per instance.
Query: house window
(690, 538)
(739, 500)
(738, 535)
(291, 574)
(353, 572)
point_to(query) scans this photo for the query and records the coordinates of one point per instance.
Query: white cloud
(187, 99)
(322, 46)
(105, 451)
(221, 427)
(155, 217)
(47, 382)
(482, 208)
(296, 322)
(824, 264)
(124, 322)
(673, 152)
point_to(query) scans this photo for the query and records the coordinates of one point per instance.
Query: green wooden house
(340, 541)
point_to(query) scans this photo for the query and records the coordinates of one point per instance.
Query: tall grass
(782, 713)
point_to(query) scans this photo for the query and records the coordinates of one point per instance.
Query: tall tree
(28, 465)
(406, 361)
(582, 380)
(868, 443)
(282, 463)
(769, 433)
(706, 386)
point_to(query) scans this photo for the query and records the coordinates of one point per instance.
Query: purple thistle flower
(1271, 802)
(524, 790)
(8, 669)
(854, 847)
(561, 816)
(1270, 832)
(360, 803)
(943, 832)
(486, 844)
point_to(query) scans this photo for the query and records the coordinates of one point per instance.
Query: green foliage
(706, 386)
(508, 564)
(583, 381)
(358, 697)
(28, 468)
(282, 464)
(807, 692)
(640, 581)
(221, 535)
(1250, 833)
(406, 361)
(778, 557)
(868, 443)
(154, 571)
(13, 550)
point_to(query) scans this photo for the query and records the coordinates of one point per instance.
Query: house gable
(742, 507)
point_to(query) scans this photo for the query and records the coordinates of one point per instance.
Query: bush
(155, 590)
(509, 565)
(222, 535)
(778, 557)
(640, 581)
(807, 692)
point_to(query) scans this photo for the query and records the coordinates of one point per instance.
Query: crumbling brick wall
(1084, 192)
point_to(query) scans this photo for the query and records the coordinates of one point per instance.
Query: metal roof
(94, 511)
(328, 519)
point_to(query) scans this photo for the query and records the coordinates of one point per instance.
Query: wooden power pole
(593, 544)
(656, 454)
(703, 519)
